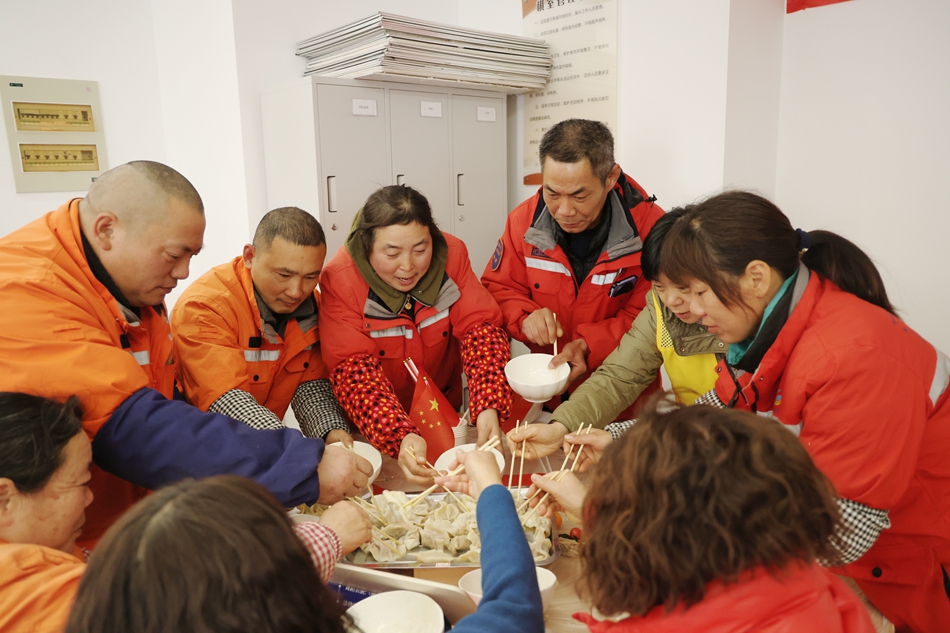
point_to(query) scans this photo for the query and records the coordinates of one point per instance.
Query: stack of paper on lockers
(393, 45)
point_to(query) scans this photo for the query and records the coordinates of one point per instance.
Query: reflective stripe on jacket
(352, 324)
(222, 343)
(530, 271)
(63, 333)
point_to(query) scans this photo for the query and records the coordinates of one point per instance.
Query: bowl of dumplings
(471, 583)
(530, 377)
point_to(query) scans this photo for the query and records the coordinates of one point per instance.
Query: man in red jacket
(573, 250)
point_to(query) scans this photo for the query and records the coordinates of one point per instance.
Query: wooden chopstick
(458, 500)
(491, 443)
(556, 476)
(561, 473)
(511, 471)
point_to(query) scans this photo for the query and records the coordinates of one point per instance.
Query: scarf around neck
(426, 291)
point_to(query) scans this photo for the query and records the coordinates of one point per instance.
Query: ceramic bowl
(398, 612)
(471, 583)
(370, 454)
(448, 457)
(531, 379)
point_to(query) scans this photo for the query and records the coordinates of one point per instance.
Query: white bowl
(531, 379)
(471, 583)
(448, 457)
(370, 454)
(398, 612)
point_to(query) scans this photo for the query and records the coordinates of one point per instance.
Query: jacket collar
(307, 314)
(426, 291)
(623, 237)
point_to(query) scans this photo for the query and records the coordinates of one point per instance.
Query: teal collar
(738, 350)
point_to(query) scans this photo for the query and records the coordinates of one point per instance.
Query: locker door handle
(400, 179)
(458, 189)
(331, 194)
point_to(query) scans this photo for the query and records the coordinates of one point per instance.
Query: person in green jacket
(664, 334)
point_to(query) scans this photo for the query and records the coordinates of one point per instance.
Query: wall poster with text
(583, 39)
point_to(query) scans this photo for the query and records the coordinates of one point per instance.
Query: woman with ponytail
(815, 342)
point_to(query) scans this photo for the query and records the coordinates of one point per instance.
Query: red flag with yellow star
(433, 416)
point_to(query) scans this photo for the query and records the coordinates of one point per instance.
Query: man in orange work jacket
(246, 335)
(573, 250)
(82, 312)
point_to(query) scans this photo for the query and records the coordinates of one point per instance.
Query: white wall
(109, 41)
(864, 141)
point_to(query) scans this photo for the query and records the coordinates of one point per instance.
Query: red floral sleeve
(485, 351)
(367, 396)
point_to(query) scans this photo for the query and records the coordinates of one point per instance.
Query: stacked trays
(387, 45)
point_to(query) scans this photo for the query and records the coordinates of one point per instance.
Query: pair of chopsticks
(412, 454)
(511, 471)
(559, 475)
(490, 444)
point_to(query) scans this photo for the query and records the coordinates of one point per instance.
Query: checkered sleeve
(324, 545)
(616, 429)
(241, 405)
(317, 410)
(485, 351)
(711, 399)
(859, 528)
(365, 393)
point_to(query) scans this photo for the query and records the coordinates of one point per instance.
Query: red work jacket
(530, 271)
(353, 324)
(222, 343)
(802, 598)
(869, 399)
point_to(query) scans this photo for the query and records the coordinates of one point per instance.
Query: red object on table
(519, 409)
(433, 415)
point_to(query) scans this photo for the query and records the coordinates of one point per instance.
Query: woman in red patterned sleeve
(401, 288)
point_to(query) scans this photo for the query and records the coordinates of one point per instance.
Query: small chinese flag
(433, 416)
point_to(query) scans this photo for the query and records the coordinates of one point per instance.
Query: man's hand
(567, 494)
(540, 440)
(415, 470)
(481, 471)
(574, 354)
(595, 443)
(488, 426)
(540, 328)
(342, 474)
(350, 523)
(339, 435)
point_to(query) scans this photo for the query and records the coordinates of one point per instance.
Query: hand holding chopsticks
(559, 474)
(491, 443)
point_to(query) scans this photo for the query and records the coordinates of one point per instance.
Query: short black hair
(292, 224)
(34, 432)
(573, 140)
(653, 243)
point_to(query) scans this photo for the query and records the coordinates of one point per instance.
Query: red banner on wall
(791, 6)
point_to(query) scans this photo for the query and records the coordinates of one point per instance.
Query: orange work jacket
(62, 333)
(222, 343)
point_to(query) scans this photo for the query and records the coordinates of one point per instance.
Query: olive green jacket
(632, 367)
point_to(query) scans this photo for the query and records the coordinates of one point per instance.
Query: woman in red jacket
(705, 519)
(866, 394)
(401, 288)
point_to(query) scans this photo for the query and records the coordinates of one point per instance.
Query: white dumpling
(412, 540)
(445, 512)
(384, 553)
(433, 539)
(433, 556)
(541, 549)
(471, 556)
(458, 543)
